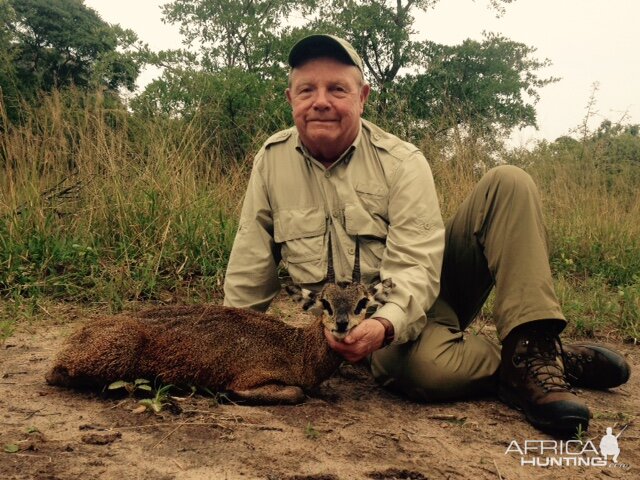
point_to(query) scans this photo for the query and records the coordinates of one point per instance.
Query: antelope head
(343, 305)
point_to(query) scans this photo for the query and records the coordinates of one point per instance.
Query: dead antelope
(250, 355)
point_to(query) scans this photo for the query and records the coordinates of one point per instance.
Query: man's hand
(363, 340)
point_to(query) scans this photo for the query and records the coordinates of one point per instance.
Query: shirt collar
(346, 156)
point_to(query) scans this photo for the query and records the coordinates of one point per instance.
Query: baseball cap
(322, 45)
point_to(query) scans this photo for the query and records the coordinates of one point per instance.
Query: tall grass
(96, 208)
(593, 218)
(100, 207)
(592, 213)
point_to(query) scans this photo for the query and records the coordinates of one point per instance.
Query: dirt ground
(350, 429)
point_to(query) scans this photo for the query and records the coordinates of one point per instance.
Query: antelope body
(252, 356)
(249, 354)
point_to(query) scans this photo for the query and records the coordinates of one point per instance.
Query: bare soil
(349, 429)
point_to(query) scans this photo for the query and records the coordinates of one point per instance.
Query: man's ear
(364, 95)
(307, 299)
(287, 94)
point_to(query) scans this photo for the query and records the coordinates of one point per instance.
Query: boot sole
(566, 425)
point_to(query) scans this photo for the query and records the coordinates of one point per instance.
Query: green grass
(118, 220)
(102, 208)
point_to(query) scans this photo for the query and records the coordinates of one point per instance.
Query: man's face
(327, 98)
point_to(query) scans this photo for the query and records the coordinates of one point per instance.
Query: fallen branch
(168, 435)
(497, 469)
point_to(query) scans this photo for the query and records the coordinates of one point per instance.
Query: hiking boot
(594, 366)
(532, 379)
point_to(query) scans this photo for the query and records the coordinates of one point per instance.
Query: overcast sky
(588, 41)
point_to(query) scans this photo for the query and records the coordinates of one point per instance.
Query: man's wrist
(389, 331)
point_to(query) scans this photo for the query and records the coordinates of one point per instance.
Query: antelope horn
(331, 275)
(355, 277)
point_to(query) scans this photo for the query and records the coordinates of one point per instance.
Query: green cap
(315, 46)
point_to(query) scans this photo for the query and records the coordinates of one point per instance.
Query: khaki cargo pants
(496, 239)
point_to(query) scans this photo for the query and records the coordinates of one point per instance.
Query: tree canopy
(245, 34)
(487, 86)
(231, 72)
(47, 44)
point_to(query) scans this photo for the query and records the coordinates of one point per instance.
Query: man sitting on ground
(337, 176)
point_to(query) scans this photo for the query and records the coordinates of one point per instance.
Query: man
(336, 176)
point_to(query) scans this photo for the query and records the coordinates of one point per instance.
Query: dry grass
(96, 207)
(100, 206)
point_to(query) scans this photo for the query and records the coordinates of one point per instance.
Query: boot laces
(544, 362)
(574, 364)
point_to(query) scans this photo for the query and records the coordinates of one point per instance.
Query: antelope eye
(362, 304)
(327, 306)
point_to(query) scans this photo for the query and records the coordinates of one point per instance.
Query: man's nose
(321, 102)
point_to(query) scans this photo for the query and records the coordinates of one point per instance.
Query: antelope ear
(380, 292)
(307, 299)
(387, 285)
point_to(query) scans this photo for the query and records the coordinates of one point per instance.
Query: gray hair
(361, 81)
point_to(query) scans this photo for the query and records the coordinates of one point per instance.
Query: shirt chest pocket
(301, 233)
(372, 232)
(373, 197)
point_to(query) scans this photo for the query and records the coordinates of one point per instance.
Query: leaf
(118, 384)
(152, 404)
(311, 432)
(165, 389)
(139, 409)
(141, 381)
(11, 448)
(145, 387)
(208, 392)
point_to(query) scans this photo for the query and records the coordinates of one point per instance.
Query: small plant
(580, 434)
(310, 432)
(217, 398)
(131, 387)
(613, 416)
(6, 330)
(159, 401)
(629, 313)
(11, 448)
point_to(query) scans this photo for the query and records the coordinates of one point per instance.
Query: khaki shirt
(381, 189)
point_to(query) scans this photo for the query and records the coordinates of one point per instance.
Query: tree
(232, 111)
(488, 86)
(232, 89)
(236, 34)
(9, 87)
(58, 43)
(381, 31)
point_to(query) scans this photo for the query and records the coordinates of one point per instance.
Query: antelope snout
(342, 324)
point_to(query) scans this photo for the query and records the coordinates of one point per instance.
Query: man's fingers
(350, 339)
(360, 342)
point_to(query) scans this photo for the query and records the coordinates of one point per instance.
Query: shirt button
(351, 251)
(327, 173)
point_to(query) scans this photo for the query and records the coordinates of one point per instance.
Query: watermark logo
(576, 453)
(609, 445)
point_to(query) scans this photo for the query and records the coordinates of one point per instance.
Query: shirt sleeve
(414, 248)
(251, 280)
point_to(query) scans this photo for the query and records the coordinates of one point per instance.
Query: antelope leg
(270, 394)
